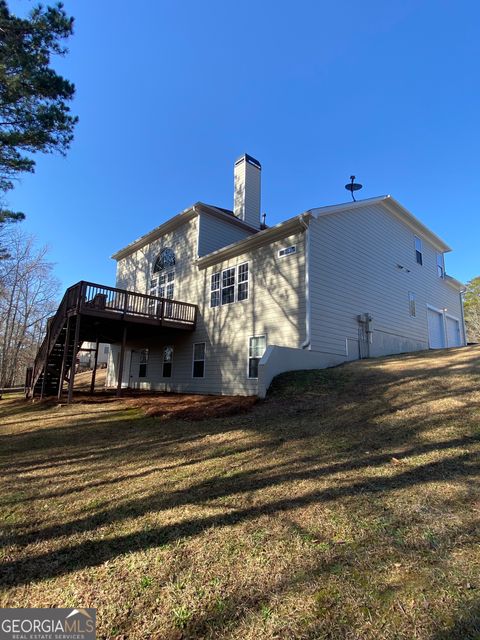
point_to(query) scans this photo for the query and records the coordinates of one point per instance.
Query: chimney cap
(248, 159)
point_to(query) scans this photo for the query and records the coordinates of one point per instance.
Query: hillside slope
(346, 505)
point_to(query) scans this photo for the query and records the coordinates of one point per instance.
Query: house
(332, 284)
(86, 355)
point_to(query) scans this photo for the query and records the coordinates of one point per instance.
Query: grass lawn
(346, 505)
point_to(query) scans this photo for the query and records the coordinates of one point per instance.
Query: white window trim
(166, 361)
(415, 238)
(412, 298)
(204, 359)
(235, 285)
(290, 253)
(260, 335)
(243, 281)
(219, 273)
(442, 257)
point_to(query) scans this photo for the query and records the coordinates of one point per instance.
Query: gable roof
(262, 237)
(299, 222)
(179, 219)
(394, 207)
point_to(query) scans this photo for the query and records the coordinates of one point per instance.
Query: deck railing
(91, 296)
(88, 297)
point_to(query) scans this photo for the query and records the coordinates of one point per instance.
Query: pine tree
(34, 99)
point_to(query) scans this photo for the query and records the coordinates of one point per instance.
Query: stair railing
(55, 325)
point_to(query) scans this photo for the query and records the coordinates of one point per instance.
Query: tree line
(28, 296)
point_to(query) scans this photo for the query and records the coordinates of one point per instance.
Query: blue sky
(169, 93)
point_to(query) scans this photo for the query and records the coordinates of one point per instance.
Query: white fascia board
(180, 218)
(152, 235)
(393, 206)
(453, 282)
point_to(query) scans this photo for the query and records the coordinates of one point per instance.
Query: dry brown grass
(344, 506)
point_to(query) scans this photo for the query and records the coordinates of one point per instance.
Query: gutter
(308, 311)
(461, 294)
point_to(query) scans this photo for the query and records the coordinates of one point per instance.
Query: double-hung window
(440, 265)
(167, 362)
(198, 370)
(166, 284)
(142, 369)
(242, 287)
(215, 290)
(418, 250)
(256, 349)
(228, 286)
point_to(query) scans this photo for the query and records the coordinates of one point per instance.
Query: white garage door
(453, 332)
(436, 333)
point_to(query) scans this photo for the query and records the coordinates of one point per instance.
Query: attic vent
(286, 251)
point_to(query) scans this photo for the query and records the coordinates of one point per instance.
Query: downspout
(307, 343)
(461, 294)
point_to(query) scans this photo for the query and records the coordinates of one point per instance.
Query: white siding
(216, 233)
(354, 270)
(275, 307)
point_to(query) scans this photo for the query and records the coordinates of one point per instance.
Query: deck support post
(120, 364)
(64, 360)
(94, 372)
(45, 366)
(74, 358)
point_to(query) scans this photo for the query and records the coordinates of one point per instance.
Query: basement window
(198, 360)
(256, 349)
(167, 362)
(142, 369)
(418, 250)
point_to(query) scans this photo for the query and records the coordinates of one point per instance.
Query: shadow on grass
(353, 413)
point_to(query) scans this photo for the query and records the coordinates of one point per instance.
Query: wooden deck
(90, 299)
(98, 313)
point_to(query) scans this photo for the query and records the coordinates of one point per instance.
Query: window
(161, 286)
(440, 265)
(418, 250)
(287, 251)
(166, 284)
(167, 362)
(228, 286)
(222, 285)
(215, 290)
(256, 349)
(142, 369)
(106, 349)
(242, 292)
(412, 304)
(165, 259)
(199, 360)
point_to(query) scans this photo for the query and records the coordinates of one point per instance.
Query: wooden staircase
(93, 312)
(59, 343)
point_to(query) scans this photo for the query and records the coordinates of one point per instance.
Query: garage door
(453, 332)
(436, 333)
